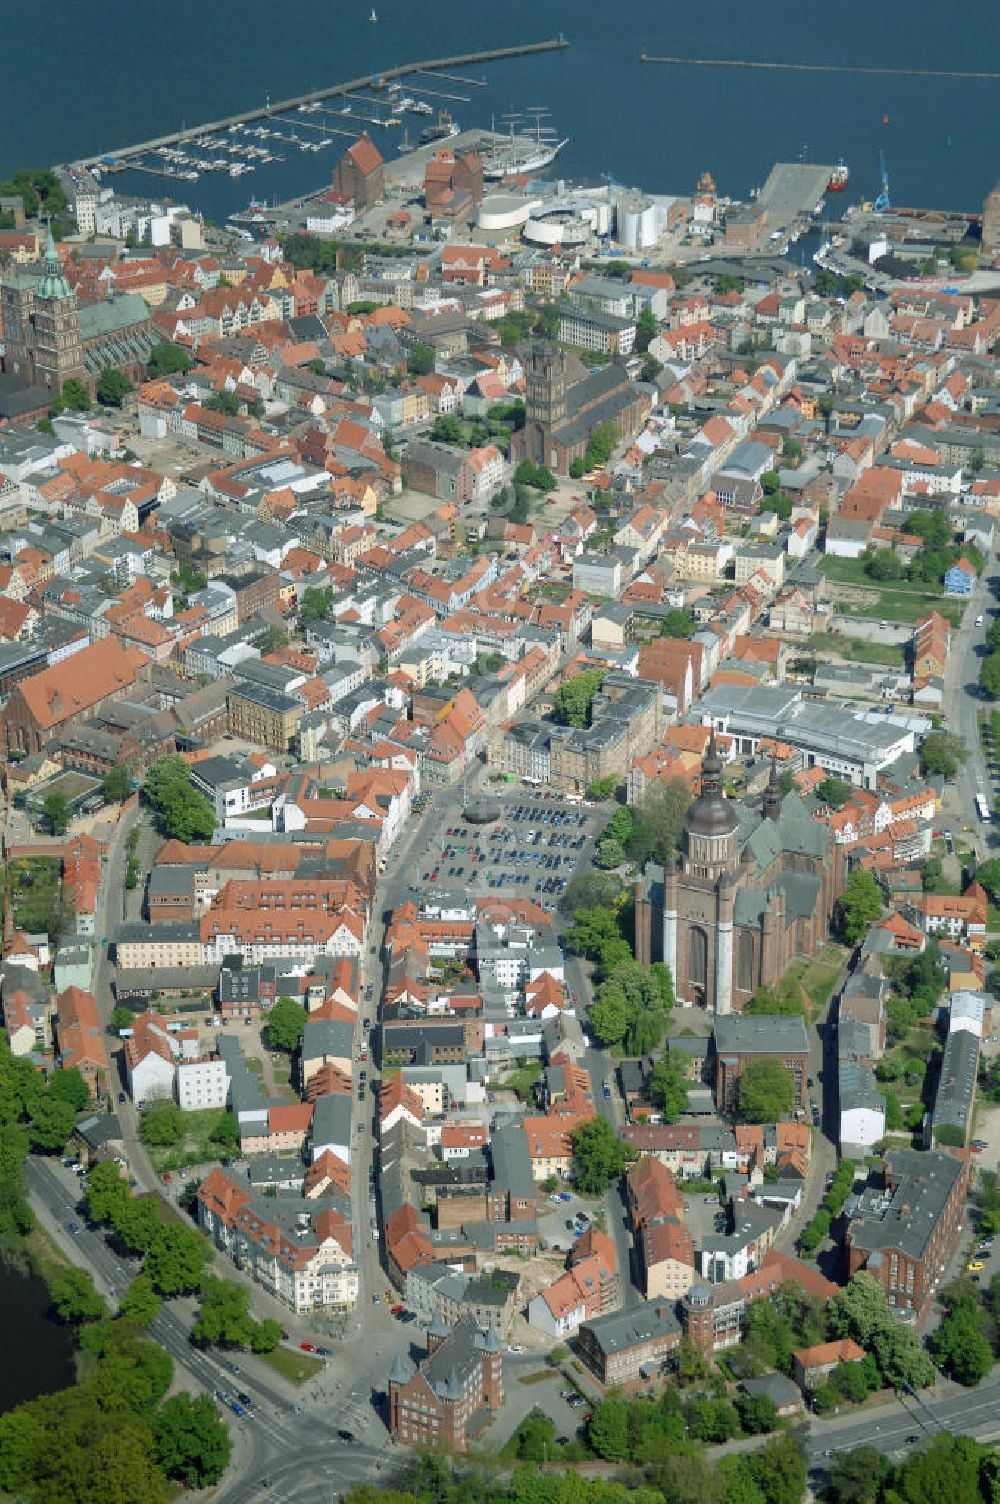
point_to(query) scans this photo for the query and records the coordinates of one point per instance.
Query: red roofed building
(41, 707)
(360, 174)
(80, 1038)
(308, 1266)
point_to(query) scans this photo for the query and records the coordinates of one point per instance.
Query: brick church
(50, 337)
(564, 403)
(752, 890)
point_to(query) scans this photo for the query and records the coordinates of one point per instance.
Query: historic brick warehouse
(752, 890)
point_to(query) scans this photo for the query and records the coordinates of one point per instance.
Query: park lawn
(856, 649)
(293, 1364)
(820, 976)
(539, 1376)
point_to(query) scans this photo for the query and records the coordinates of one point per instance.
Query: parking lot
(563, 1217)
(530, 851)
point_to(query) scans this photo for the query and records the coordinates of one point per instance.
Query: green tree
(140, 1302)
(314, 604)
(285, 1025)
(592, 890)
(609, 854)
(162, 1124)
(960, 1347)
(52, 1122)
(988, 876)
(857, 1477)
(117, 784)
(192, 1443)
(226, 1132)
(948, 1469)
(599, 1156)
(860, 1309)
(783, 998)
(989, 675)
(572, 701)
(602, 788)
(182, 812)
(942, 752)
(272, 640)
(224, 1315)
(122, 1017)
(176, 1260)
(593, 931)
(669, 1086)
(167, 360)
(610, 1017)
(55, 808)
(658, 821)
(420, 361)
(75, 397)
(757, 1413)
(106, 1190)
(113, 387)
(136, 1222)
(834, 791)
(608, 1427)
(74, 1298)
(859, 905)
(677, 623)
(770, 482)
(645, 330)
(882, 564)
(265, 1336)
(601, 445)
(67, 1085)
(766, 1091)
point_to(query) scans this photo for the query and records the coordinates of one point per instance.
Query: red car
(167, 1177)
(307, 1347)
(397, 1310)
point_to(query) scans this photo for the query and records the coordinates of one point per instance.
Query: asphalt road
(962, 706)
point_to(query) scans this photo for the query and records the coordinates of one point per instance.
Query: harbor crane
(883, 202)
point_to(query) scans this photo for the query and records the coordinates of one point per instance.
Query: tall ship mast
(536, 149)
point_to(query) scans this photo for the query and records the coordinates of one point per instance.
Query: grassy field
(293, 1364)
(894, 602)
(36, 894)
(820, 976)
(195, 1147)
(886, 654)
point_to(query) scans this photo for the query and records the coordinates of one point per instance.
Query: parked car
(307, 1347)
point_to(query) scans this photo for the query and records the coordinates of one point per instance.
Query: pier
(122, 155)
(857, 68)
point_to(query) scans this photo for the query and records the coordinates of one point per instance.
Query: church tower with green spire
(58, 347)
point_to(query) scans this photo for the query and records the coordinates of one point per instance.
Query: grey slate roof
(621, 1330)
(761, 1034)
(906, 1217)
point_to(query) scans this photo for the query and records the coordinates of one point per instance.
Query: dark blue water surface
(82, 78)
(39, 1352)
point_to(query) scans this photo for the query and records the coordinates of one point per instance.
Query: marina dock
(119, 158)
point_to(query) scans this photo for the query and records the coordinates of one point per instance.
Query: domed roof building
(752, 889)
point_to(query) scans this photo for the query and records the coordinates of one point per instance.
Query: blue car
(565, 1196)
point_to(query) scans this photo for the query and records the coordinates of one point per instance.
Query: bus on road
(982, 808)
